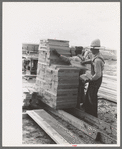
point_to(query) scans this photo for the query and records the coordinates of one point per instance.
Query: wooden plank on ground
(110, 77)
(108, 97)
(108, 86)
(85, 127)
(105, 127)
(108, 91)
(53, 128)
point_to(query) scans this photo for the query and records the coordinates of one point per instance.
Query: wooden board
(110, 77)
(52, 59)
(109, 86)
(47, 46)
(108, 91)
(58, 86)
(83, 126)
(53, 128)
(107, 97)
(53, 42)
(102, 136)
(105, 127)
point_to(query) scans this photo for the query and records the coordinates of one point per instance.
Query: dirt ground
(107, 111)
(33, 134)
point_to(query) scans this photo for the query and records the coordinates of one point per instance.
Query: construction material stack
(57, 82)
(29, 48)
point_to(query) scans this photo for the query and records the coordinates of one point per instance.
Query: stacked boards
(46, 48)
(57, 83)
(28, 48)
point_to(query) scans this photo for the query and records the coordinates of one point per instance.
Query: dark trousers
(90, 102)
(80, 98)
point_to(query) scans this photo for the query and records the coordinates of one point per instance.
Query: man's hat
(96, 44)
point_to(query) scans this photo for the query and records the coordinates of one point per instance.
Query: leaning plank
(47, 128)
(85, 127)
(109, 86)
(107, 97)
(110, 77)
(108, 91)
(53, 128)
(103, 126)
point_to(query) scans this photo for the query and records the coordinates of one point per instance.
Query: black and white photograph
(61, 74)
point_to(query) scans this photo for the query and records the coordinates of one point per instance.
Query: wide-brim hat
(96, 45)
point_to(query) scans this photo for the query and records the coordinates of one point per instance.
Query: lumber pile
(30, 47)
(26, 96)
(59, 133)
(57, 83)
(108, 89)
(47, 46)
(59, 86)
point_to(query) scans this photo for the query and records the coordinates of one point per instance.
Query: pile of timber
(82, 127)
(57, 83)
(108, 89)
(30, 47)
(26, 96)
(47, 46)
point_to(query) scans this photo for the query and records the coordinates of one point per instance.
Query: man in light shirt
(95, 80)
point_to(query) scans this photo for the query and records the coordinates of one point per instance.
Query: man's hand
(56, 53)
(84, 78)
(82, 63)
(86, 62)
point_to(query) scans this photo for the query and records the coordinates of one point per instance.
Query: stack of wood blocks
(47, 46)
(57, 83)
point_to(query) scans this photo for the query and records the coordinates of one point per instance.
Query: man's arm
(86, 62)
(64, 58)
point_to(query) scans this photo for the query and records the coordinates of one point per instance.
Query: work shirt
(74, 58)
(97, 66)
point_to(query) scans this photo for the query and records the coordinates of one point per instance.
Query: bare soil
(33, 134)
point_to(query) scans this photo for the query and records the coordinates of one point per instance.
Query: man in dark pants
(97, 66)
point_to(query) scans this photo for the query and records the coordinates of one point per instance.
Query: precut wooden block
(46, 48)
(54, 42)
(59, 89)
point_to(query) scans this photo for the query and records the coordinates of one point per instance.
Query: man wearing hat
(97, 66)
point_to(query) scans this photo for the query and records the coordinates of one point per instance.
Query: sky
(77, 22)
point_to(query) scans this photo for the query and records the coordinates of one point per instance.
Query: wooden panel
(107, 97)
(54, 82)
(45, 51)
(54, 42)
(46, 126)
(69, 136)
(88, 129)
(108, 91)
(110, 77)
(109, 86)
(105, 127)
(83, 126)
